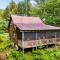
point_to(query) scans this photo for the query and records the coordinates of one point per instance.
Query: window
(19, 34)
(57, 34)
(51, 34)
(41, 35)
(45, 35)
(29, 35)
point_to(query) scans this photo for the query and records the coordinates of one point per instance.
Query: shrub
(5, 42)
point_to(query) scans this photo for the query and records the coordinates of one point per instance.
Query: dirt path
(3, 55)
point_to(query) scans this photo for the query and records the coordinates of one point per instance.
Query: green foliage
(14, 55)
(1, 12)
(5, 42)
(22, 8)
(40, 1)
(10, 9)
(3, 25)
(44, 54)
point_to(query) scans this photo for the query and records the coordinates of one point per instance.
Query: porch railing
(34, 43)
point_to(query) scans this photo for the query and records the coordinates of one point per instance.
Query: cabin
(29, 32)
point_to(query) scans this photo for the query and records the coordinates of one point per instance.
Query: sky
(4, 3)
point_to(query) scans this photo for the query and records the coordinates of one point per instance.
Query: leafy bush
(14, 55)
(5, 41)
(3, 25)
(43, 54)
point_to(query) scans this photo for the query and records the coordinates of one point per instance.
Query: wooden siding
(12, 33)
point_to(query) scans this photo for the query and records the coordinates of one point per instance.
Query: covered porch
(29, 39)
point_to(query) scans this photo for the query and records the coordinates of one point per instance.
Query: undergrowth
(40, 54)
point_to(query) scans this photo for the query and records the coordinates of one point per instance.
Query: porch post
(55, 38)
(47, 40)
(23, 41)
(36, 40)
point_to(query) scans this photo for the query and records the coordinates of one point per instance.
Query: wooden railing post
(36, 40)
(23, 41)
(55, 38)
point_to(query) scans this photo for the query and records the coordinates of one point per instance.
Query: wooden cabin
(28, 32)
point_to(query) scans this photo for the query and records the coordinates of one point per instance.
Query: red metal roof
(31, 23)
(26, 20)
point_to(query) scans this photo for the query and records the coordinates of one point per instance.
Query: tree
(28, 6)
(10, 9)
(1, 12)
(3, 25)
(51, 12)
(40, 1)
(24, 7)
(21, 8)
